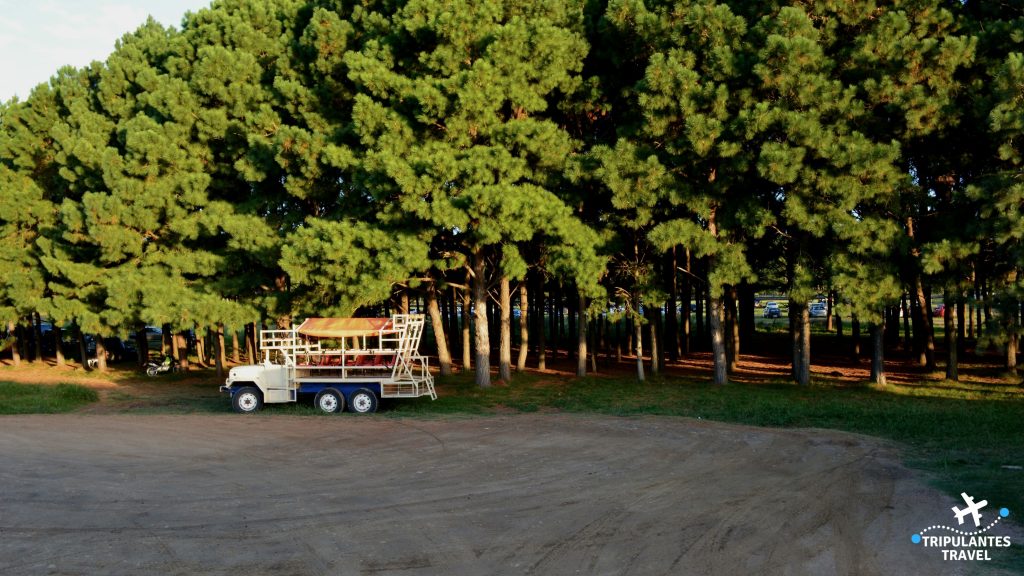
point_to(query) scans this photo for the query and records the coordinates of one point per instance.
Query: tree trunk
(58, 345)
(732, 331)
(747, 319)
(201, 340)
(795, 341)
(142, 345)
(653, 331)
(446, 300)
(805, 346)
(483, 336)
(877, 353)
(524, 326)
(594, 331)
(236, 356)
(581, 346)
(101, 354)
(25, 341)
(1013, 340)
(927, 360)
(828, 311)
(949, 318)
(619, 340)
(687, 295)
(855, 329)
(716, 313)
(639, 346)
(220, 356)
(539, 303)
(560, 313)
(892, 326)
(505, 338)
(250, 343)
(671, 315)
(706, 337)
(961, 326)
(493, 319)
(630, 330)
(839, 319)
(570, 307)
(552, 321)
(181, 350)
(718, 345)
(81, 347)
(37, 336)
(697, 339)
(13, 330)
(402, 301)
(801, 315)
(906, 322)
(444, 357)
(467, 346)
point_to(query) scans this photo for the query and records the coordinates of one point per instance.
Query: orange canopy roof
(343, 327)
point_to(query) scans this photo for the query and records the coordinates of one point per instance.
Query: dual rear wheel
(330, 401)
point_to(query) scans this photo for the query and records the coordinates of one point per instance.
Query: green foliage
(350, 264)
(284, 156)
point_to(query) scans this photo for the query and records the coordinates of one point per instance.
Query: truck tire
(247, 400)
(363, 401)
(329, 401)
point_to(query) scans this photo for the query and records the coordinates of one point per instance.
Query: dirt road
(539, 494)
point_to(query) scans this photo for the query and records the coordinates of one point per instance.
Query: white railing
(395, 360)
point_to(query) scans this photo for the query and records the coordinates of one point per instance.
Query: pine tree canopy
(276, 158)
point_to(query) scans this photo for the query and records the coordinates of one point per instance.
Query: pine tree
(137, 234)
(452, 110)
(689, 139)
(26, 206)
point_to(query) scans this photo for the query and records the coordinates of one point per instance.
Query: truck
(340, 362)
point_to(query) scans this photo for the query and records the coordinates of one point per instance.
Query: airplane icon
(972, 509)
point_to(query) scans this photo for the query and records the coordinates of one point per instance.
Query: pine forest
(615, 178)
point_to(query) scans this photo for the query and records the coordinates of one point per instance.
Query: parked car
(818, 310)
(772, 310)
(939, 311)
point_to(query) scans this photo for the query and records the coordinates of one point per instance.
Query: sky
(37, 37)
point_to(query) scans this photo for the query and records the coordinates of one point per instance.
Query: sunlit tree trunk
(877, 353)
(483, 337)
(952, 341)
(219, 352)
(444, 357)
(581, 345)
(524, 326)
(505, 335)
(101, 354)
(12, 329)
(467, 346)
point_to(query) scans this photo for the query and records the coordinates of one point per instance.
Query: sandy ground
(533, 494)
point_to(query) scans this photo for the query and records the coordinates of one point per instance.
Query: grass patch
(42, 399)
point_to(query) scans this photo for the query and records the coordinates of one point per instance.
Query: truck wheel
(330, 401)
(247, 400)
(363, 401)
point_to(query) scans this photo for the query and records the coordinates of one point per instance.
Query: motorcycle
(156, 368)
